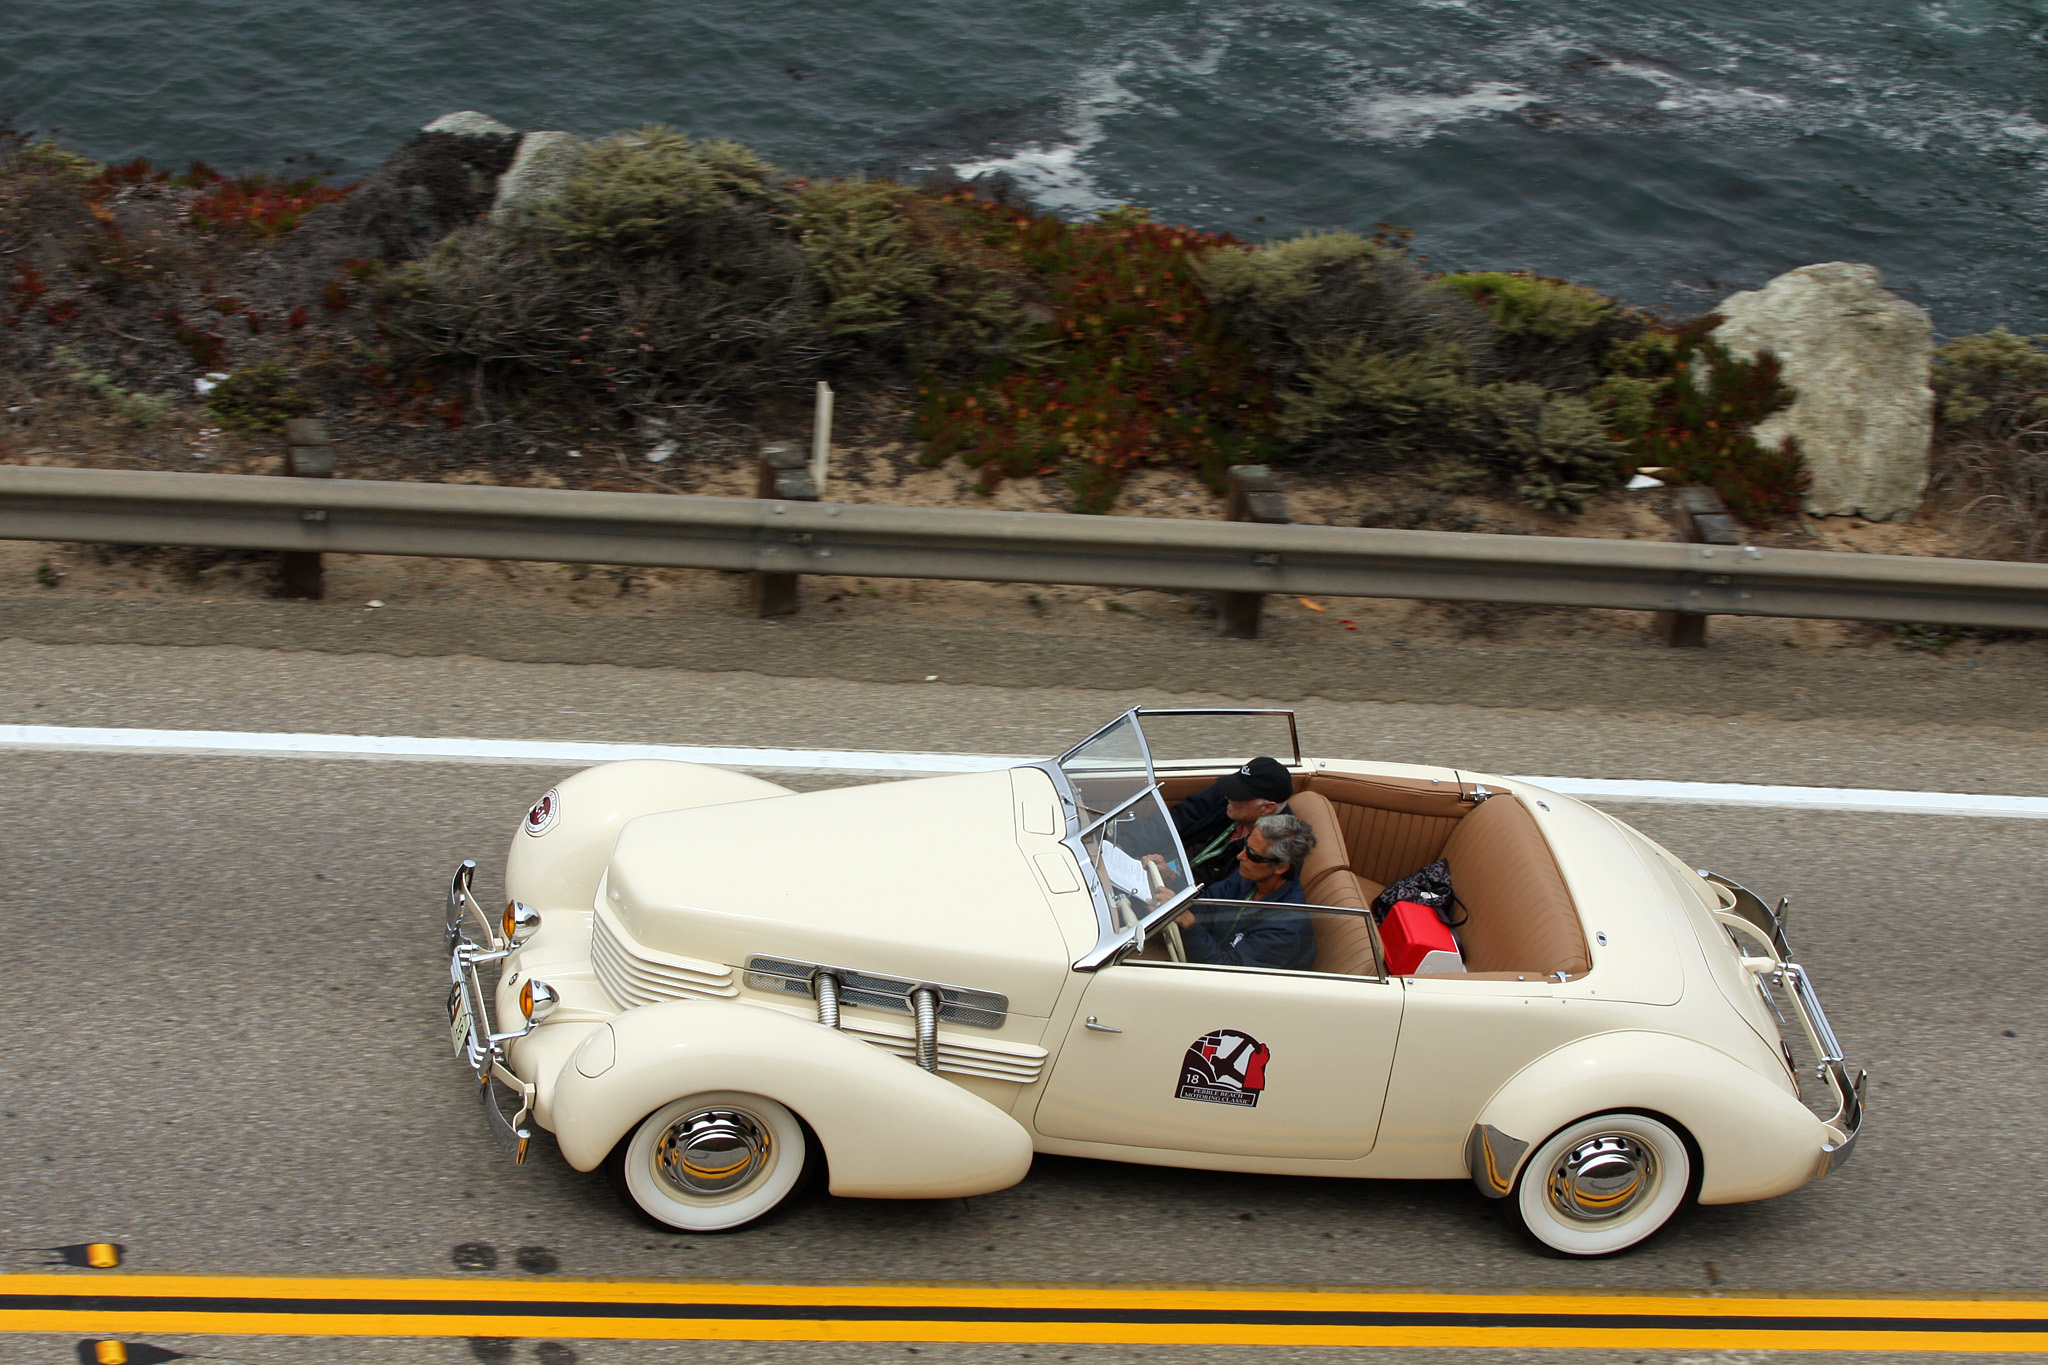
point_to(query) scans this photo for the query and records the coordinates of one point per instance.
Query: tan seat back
(1330, 855)
(1520, 917)
(1344, 943)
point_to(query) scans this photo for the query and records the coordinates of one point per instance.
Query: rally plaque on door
(1224, 1067)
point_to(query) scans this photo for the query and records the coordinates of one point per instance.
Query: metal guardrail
(231, 511)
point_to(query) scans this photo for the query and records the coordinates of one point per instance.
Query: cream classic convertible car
(709, 984)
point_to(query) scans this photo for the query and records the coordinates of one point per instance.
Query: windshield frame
(1116, 940)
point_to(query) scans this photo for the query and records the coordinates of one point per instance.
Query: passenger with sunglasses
(1268, 871)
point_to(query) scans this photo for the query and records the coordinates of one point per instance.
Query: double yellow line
(131, 1305)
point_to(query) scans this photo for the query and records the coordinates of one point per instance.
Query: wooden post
(784, 475)
(1698, 517)
(307, 455)
(1254, 496)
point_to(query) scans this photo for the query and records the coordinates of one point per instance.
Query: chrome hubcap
(1603, 1177)
(713, 1151)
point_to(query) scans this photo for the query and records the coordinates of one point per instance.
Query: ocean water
(1669, 153)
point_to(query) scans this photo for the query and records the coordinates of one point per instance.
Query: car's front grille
(633, 976)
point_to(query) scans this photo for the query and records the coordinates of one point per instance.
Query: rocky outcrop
(539, 172)
(443, 178)
(1859, 357)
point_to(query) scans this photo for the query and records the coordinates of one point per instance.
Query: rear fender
(1754, 1140)
(558, 868)
(890, 1130)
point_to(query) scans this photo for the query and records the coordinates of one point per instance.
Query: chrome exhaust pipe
(926, 1001)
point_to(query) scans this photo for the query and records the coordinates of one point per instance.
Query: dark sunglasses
(1262, 857)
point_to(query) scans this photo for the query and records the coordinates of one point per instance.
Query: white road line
(531, 753)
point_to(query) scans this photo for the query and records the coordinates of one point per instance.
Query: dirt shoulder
(1024, 635)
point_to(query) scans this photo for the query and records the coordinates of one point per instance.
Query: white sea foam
(1415, 118)
(1683, 96)
(1051, 175)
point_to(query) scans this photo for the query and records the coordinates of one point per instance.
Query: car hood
(921, 880)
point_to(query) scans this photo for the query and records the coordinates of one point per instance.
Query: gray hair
(1288, 838)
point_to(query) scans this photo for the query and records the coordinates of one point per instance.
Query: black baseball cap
(1262, 779)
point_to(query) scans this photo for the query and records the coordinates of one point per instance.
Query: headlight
(537, 1000)
(521, 922)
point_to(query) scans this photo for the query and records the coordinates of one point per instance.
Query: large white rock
(469, 123)
(1859, 356)
(539, 172)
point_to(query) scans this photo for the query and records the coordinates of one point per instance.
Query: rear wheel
(710, 1162)
(1603, 1184)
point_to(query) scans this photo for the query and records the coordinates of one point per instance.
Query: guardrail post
(784, 475)
(1698, 517)
(307, 455)
(1254, 496)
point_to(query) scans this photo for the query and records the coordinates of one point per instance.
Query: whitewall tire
(711, 1162)
(1603, 1184)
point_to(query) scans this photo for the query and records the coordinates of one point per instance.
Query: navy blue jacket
(1244, 936)
(1201, 819)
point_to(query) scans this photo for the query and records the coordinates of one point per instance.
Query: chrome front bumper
(1752, 919)
(469, 1014)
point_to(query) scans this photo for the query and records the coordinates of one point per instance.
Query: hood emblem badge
(541, 818)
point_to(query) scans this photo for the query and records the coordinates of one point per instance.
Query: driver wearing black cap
(1214, 822)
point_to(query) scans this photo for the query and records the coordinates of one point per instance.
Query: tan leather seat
(1330, 856)
(1344, 943)
(1519, 915)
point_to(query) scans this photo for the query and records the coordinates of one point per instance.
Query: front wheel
(1603, 1184)
(711, 1162)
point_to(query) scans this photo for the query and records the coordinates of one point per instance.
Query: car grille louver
(631, 976)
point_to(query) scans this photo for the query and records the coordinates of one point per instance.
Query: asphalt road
(229, 1053)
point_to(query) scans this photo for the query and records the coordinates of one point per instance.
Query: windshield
(1124, 827)
(1121, 820)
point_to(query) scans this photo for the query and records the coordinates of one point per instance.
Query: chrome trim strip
(1379, 961)
(1293, 728)
(1493, 1157)
(857, 989)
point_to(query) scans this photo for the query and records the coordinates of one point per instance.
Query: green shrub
(137, 409)
(1329, 291)
(1528, 305)
(256, 398)
(1130, 366)
(660, 280)
(632, 193)
(1547, 331)
(1680, 400)
(47, 155)
(1991, 442)
(1380, 368)
(855, 237)
(1997, 369)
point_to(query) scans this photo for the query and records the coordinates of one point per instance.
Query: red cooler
(1417, 942)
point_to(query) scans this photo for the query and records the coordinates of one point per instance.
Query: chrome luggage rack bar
(1750, 918)
(469, 1013)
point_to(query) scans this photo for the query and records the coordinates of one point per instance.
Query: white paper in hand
(1125, 873)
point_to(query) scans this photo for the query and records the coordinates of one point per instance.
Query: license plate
(458, 1020)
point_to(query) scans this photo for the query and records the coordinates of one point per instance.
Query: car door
(1225, 1060)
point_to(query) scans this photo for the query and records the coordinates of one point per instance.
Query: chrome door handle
(1098, 1027)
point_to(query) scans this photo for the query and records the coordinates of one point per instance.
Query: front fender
(1754, 1140)
(890, 1130)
